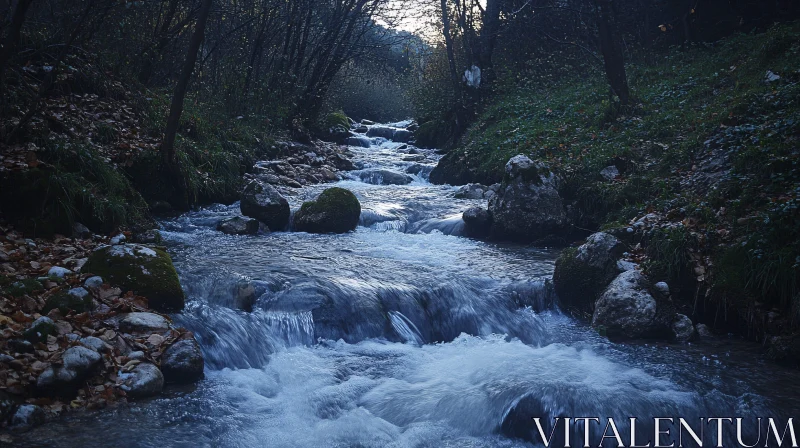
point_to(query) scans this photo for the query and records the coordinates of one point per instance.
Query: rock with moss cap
(40, 329)
(582, 273)
(336, 210)
(263, 202)
(527, 207)
(146, 271)
(76, 299)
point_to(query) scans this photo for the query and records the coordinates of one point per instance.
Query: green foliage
(668, 254)
(709, 103)
(76, 185)
(105, 133)
(213, 152)
(22, 287)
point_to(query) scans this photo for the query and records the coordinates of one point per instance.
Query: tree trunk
(489, 30)
(12, 38)
(176, 108)
(612, 52)
(448, 42)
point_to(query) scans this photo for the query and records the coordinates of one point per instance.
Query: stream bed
(403, 333)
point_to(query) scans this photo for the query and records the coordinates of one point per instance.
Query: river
(403, 334)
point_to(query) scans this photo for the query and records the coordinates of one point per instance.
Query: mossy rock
(577, 284)
(23, 287)
(40, 329)
(146, 271)
(337, 121)
(336, 210)
(66, 302)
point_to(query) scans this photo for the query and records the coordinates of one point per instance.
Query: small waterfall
(405, 328)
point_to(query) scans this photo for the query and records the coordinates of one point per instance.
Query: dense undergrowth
(711, 142)
(91, 153)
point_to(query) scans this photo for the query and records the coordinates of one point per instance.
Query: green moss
(577, 284)
(76, 185)
(432, 134)
(668, 255)
(22, 287)
(39, 331)
(337, 121)
(66, 303)
(146, 271)
(336, 210)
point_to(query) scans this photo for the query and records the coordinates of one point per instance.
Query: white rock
(58, 271)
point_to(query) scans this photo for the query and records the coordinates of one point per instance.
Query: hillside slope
(709, 148)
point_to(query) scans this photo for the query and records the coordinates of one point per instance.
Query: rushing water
(404, 334)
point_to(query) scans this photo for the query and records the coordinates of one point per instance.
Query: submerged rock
(528, 206)
(264, 203)
(471, 191)
(146, 271)
(336, 210)
(582, 274)
(381, 131)
(477, 222)
(238, 226)
(384, 177)
(182, 362)
(626, 309)
(359, 141)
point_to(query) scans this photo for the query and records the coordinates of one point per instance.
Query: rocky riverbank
(74, 340)
(82, 316)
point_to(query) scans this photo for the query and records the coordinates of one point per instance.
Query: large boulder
(528, 206)
(264, 203)
(182, 362)
(477, 222)
(336, 210)
(77, 363)
(402, 135)
(626, 309)
(582, 274)
(146, 271)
